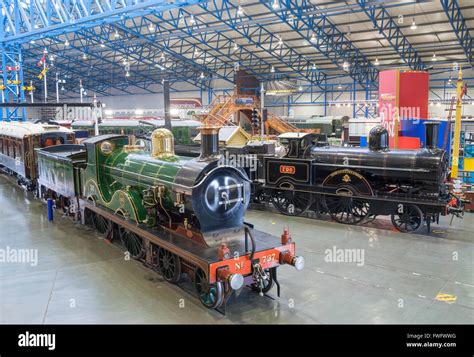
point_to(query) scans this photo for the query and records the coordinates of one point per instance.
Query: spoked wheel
(259, 197)
(408, 218)
(291, 203)
(169, 265)
(267, 285)
(210, 295)
(132, 243)
(101, 224)
(346, 209)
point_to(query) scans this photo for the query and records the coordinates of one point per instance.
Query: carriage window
(53, 140)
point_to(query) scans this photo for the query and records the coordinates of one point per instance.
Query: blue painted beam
(453, 12)
(386, 26)
(324, 36)
(228, 13)
(37, 19)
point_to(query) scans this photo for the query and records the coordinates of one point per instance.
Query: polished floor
(80, 278)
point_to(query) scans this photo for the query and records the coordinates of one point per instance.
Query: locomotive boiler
(413, 172)
(181, 216)
(354, 185)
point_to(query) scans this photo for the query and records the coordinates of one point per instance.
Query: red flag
(42, 61)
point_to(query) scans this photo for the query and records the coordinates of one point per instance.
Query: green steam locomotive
(181, 216)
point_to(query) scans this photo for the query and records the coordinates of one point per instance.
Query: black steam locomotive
(354, 185)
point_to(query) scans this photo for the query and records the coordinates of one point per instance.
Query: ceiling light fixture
(376, 63)
(102, 44)
(413, 25)
(272, 70)
(434, 58)
(116, 34)
(66, 43)
(84, 56)
(127, 74)
(280, 41)
(202, 75)
(275, 5)
(240, 11)
(313, 38)
(192, 20)
(236, 47)
(300, 88)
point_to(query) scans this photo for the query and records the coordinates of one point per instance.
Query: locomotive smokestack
(431, 130)
(378, 138)
(209, 143)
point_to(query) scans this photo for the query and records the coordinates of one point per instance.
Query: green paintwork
(119, 179)
(59, 172)
(183, 135)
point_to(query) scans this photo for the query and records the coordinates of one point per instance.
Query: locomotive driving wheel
(347, 205)
(408, 218)
(346, 209)
(101, 224)
(210, 295)
(132, 243)
(291, 202)
(169, 265)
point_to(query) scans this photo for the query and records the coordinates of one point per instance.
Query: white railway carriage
(18, 141)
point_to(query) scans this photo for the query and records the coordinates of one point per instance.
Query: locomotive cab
(296, 144)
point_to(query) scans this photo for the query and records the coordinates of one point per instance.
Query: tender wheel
(132, 243)
(210, 295)
(408, 218)
(102, 225)
(267, 285)
(291, 203)
(169, 265)
(346, 209)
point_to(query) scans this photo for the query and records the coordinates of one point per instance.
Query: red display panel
(388, 101)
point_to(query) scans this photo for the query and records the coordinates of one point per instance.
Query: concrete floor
(82, 279)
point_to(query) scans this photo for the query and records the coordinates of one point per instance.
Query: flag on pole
(43, 72)
(42, 61)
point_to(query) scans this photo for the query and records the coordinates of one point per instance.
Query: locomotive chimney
(209, 143)
(378, 138)
(431, 130)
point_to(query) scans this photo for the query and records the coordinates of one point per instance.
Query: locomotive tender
(176, 214)
(353, 185)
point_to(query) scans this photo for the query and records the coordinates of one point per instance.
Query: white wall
(155, 101)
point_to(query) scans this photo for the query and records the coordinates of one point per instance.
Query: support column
(12, 86)
(166, 99)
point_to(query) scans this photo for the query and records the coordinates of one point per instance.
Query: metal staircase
(222, 109)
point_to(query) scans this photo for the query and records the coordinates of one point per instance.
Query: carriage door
(28, 157)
